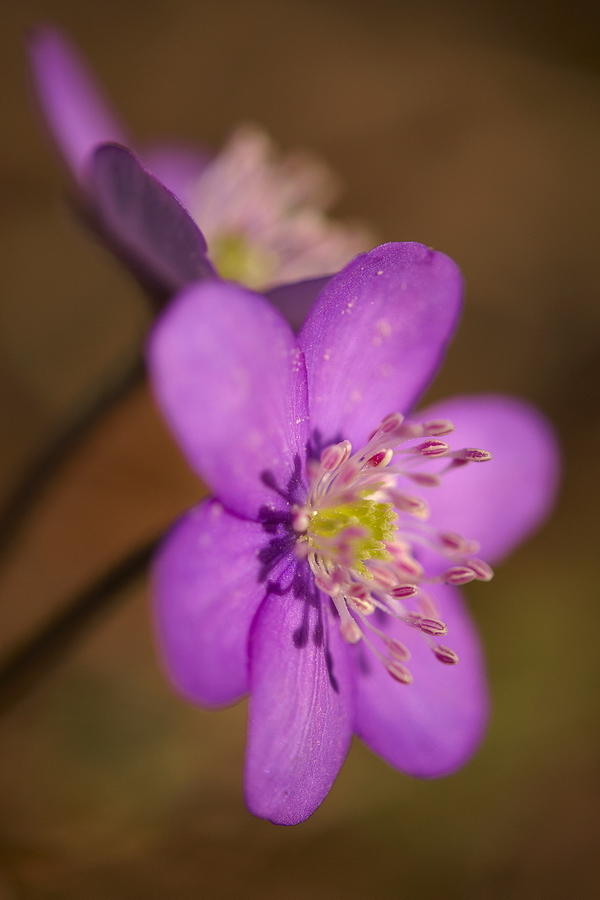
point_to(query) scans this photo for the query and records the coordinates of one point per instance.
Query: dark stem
(21, 501)
(30, 662)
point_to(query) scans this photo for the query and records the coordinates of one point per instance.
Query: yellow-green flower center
(235, 257)
(353, 533)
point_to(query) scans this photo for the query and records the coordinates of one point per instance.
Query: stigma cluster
(365, 535)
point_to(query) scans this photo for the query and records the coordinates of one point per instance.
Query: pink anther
(402, 591)
(438, 427)
(445, 655)
(434, 627)
(334, 455)
(432, 449)
(426, 479)
(397, 650)
(483, 572)
(380, 459)
(398, 671)
(459, 575)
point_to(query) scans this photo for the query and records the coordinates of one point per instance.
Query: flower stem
(28, 489)
(24, 667)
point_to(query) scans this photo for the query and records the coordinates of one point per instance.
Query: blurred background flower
(473, 128)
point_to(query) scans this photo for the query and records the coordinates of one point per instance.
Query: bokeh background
(472, 127)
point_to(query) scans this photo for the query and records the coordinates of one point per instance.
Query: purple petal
(232, 384)
(500, 502)
(376, 336)
(74, 107)
(295, 300)
(300, 706)
(178, 168)
(432, 726)
(207, 591)
(140, 215)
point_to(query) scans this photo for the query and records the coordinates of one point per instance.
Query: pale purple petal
(178, 168)
(500, 502)
(146, 220)
(432, 726)
(232, 384)
(294, 300)
(73, 105)
(300, 706)
(207, 590)
(376, 336)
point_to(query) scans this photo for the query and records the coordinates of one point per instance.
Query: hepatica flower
(262, 214)
(322, 578)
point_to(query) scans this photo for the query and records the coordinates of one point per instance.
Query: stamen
(410, 504)
(433, 449)
(398, 671)
(403, 591)
(351, 632)
(428, 625)
(437, 427)
(483, 572)
(425, 479)
(359, 530)
(380, 460)
(333, 456)
(471, 454)
(445, 655)
(397, 649)
(459, 575)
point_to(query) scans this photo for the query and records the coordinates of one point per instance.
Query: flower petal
(146, 219)
(73, 105)
(500, 502)
(294, 300)
(177, 167)
(207, 590)
(376, 336)
(232, 384)
(300, 705)
(432, 726)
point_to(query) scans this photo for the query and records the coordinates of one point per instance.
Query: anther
(334, 455)
(434, 627)
(397, 650)
(445, 655)
(410, 504)
(390, 423)
(437, 427)
(455, 543)
(402, 591)
(483, 572)
(459, 575)
(427, 624)
(380, 459)
(398, 671)
(350, 631)
(360, 598)
(432, 449)
(425, 479)
(301, 520)
(471, 454)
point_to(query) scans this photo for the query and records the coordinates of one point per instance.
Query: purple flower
(263, 215)
(321, 579)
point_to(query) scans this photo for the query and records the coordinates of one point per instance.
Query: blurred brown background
(472, 127)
